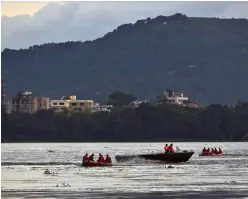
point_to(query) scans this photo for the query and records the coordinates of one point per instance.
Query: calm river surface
(23, 166)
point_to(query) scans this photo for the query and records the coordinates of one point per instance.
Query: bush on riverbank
(145, 123)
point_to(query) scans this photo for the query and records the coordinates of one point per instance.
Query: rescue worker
(91, 158)
(220, 151)
(85, 158)
(101, 158)
(208, 150)
(204, 150)
(108, 159)
(212, 150)
(215, 151)
(170, 148)
(166, 148)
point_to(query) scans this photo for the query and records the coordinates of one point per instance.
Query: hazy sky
(31, 23)
(14, 8)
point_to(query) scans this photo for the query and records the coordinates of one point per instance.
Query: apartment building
(60, 105)
(81, 105)
(70, 103)
(7, 106)
(25, 102)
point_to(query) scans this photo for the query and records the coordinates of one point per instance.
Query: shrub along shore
(147, 123)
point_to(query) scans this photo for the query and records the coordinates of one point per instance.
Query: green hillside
(206, 58)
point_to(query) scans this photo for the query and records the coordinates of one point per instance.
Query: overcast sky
(29, 23)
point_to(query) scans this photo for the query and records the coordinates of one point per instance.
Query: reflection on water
(23, 167)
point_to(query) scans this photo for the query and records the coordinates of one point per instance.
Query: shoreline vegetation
(147, 123)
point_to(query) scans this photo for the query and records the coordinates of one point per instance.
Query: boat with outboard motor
(95, 164)
(175, 157)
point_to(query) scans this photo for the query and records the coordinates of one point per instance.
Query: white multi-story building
(178, 98)
(175, 98)
(99, 108)
(7, 106)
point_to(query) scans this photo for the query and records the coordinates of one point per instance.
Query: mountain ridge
(197, 56)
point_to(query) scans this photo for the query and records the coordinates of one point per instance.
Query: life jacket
(85, 158)
(220, 151)
(91, 158)
(100, 159)
(108, 160)
(166, 147)
(170, 149)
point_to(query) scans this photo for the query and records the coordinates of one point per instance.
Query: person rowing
(220, 151)
(91, 158)
(85, 158)
(101, 158)
(108, 160)
(204, 150)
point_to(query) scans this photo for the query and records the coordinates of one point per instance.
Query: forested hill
(207, 58)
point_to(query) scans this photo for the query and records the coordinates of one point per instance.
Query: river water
(23, 166)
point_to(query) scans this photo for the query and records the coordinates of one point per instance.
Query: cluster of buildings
(26, 102)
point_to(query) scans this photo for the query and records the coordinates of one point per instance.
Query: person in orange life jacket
(170, 148)
(85, 158)
(166, 148)
(108, 159)
(91, 158)
(220, 151)
(204, 150)
(101, 158)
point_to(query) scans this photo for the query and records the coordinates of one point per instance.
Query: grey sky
(74, 21)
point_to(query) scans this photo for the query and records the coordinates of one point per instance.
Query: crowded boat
(90, 162)
(211, 151)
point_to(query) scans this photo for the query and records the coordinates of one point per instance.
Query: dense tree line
(206, 58)
(148, 122)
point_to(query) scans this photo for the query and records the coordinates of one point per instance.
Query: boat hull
(95, 164)
(164, 157)
(211, 154)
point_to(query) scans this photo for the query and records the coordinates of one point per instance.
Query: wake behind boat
(175, 157)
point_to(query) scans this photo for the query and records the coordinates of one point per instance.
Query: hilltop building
(171, 97)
